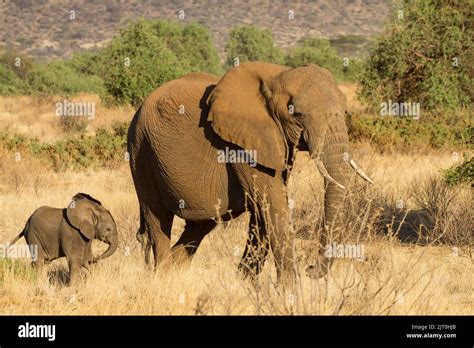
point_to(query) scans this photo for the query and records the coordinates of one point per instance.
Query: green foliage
(249, 43)
(106, 149)
(58, 77)
(462, 173)
(353, 71)
(19, 63)
(137, 62)
(10, 84)
(317, 51)
(191, 43)
(415, 58)
(405, 133)
(87, 63)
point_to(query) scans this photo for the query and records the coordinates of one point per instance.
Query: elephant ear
(239, 115)
(80, 216)
(82, 195)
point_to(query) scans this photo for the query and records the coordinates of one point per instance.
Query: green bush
(317, 51)
(87, 63)
(462, 173)
(137, 62)
(249, 43)
(58, 77)
(10, 83)
(19, 63)
(106, 149)
(404, 133)
(191, 43)
(415, 58)
(353, 71)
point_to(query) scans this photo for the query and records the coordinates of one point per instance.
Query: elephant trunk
(334, 158)
(113, 244)
(331, 154)
(329, 147)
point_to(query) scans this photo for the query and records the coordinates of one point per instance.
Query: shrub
(450, 214)
(249, 43)
(424, 56)
(353, 71)
(10, 84)
(404, 133)
(137, 62)
(317, 51)
(58, 77)
(20, 64)
(463, 172)
(87, 63)
(191, 43)
(105, 149)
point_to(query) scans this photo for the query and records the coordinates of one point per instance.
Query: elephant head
(93, 221)
(271, 109)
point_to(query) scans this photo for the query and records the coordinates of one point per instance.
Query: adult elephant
(184, 129)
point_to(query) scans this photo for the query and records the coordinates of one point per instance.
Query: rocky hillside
(56, 28)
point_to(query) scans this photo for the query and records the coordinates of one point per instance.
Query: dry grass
(36, 117)
(393, 278)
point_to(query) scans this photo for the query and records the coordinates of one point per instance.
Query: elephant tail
(22, 234)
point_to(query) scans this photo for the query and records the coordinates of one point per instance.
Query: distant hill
(44, 28)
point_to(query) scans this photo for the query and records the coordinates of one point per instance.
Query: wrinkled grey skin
(69, 232)
(143, 237)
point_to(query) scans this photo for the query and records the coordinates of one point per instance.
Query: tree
(424, 55)
(58, 77)
(136, 62)
(191, 43)
(249, 43)
(10, 84)
(19, 63)
(313, 50)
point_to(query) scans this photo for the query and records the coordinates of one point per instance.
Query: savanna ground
(431, 273)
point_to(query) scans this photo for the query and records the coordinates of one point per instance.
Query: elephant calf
(69, 232)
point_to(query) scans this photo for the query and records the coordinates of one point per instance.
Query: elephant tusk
(360, 172)
(324, 172)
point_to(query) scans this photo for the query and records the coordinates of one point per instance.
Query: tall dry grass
(397, 275)
(35, 116)
(394, 278)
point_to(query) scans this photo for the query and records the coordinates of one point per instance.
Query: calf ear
(81, 195)
(80, 216)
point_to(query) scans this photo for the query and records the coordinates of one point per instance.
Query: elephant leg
(39, 263)
(274, 213)
(147, 250)
(266, 195)
(158, 222)
(35, 246)
(256, 249)
(88, 257)
(75, 264)
(282, 244)
(192, 236)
